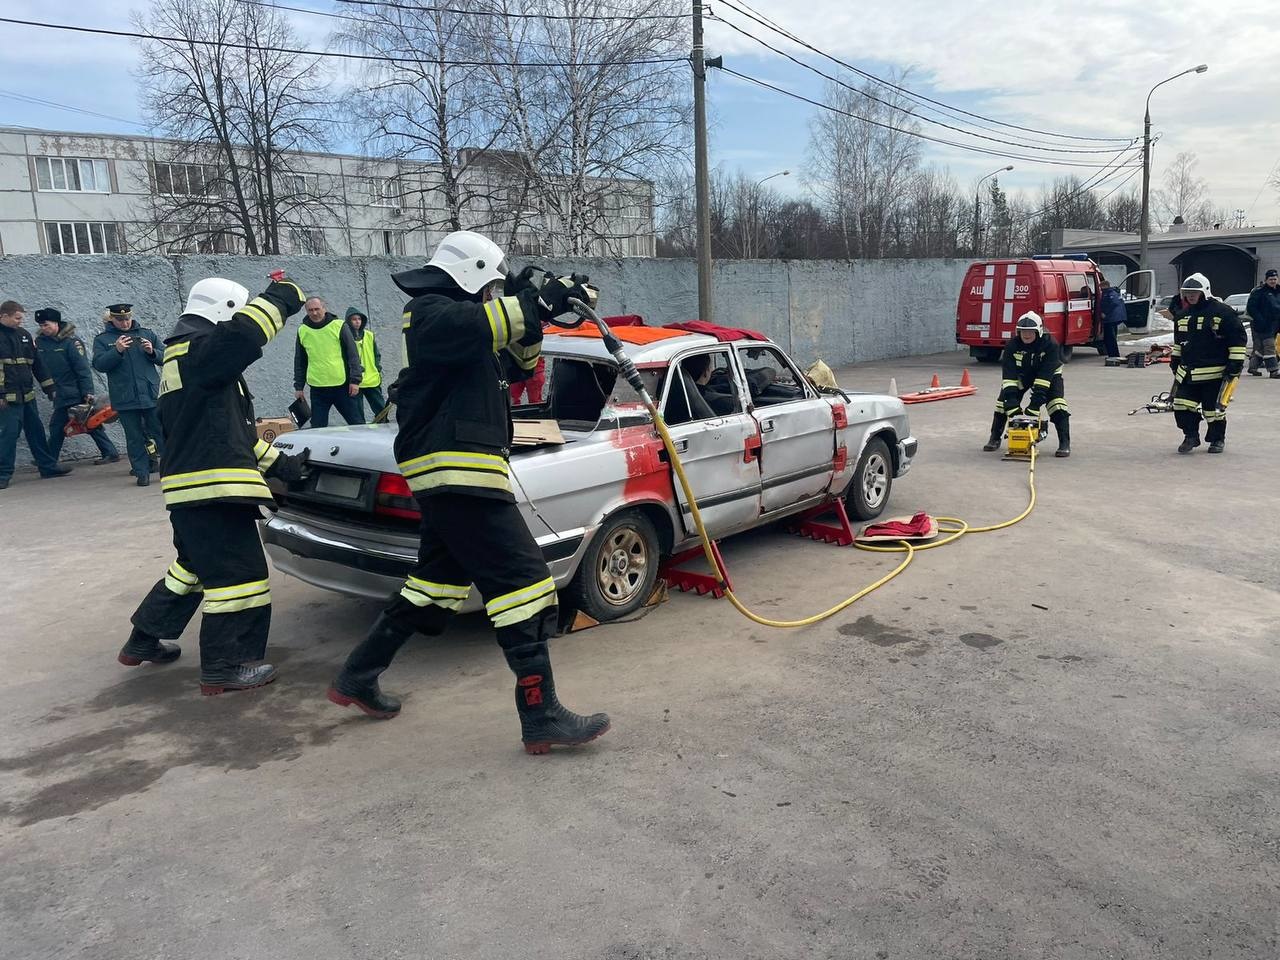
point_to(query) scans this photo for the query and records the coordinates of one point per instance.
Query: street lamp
(1144, 227)
(780, 173)
(977, 208)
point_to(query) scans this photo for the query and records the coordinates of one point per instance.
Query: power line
(1092, 183)
(912, 133)
(514, 16)
(905, 110)
(765, 22)
(40, 101)
(339, 55)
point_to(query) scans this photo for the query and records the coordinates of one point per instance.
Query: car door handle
(766, 426)
(682, 446)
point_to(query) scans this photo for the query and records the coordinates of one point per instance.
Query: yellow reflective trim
(459, 478)
(235, 606)
(209, 476)
(453, 458)
(423, 593)
(419, 599)
(525, 611)
(237, 590)
(176, 350)
(265, 314)
(219, 491)
(1010, 383)
(181, 581)
(1040, 383)
(517, 597)
(440, 589)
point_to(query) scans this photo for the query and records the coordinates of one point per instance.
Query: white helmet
(1031, 321)
(216, 299)
(1197, 283)
(472, 260)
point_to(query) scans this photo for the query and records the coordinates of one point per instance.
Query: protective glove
(287, 294)
(517, 282)
(291, 468)
(50, 392)
(556, 292)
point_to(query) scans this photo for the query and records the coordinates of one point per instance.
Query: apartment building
(84, 194)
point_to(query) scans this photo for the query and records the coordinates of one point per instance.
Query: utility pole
(1144, 226)
(701, 175)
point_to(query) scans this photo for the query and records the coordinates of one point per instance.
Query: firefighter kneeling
(211, 475)
(1032, 361)
(470, 329)
(1209, 350)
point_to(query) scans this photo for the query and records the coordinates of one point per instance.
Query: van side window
(1080, 286)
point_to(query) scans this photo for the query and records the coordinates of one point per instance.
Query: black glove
(287, 294)
(50, 392)
(519, 281)
(1234, 371)
(556, 292)
(291, 468)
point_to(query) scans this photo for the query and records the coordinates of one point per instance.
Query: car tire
(868, 491)
(1067, 353)
(618, 572)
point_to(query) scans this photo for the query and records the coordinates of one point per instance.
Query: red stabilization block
(690, 582)
(806, 524)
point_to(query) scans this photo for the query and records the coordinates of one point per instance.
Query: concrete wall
(841, 312)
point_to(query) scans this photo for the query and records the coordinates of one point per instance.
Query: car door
(1138, 289)
(796, 430)
(716, 439)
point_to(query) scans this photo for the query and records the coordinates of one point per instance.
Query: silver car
(759, 442)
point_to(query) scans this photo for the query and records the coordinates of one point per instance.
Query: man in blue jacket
(130, 355)
(65, 361)
(21, 372)
(1264, 320)
(1112, 310)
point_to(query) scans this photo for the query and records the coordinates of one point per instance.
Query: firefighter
(469, 329)
(1032, 361)
(21, 370)
(213, 485)
(1209, 351)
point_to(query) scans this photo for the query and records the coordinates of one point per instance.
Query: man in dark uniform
(1264, 321)
(65, 360)
(213, 487)
(130, 355)
(1209, 350)
(21, 369)
(464, 341)
(1032, 361)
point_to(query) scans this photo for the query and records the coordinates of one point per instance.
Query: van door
(1082, 303)
(1014, 290)
(1139, 290)
(716, 439)
(796, 428)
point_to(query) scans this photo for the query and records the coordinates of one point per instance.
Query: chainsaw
(87, 417)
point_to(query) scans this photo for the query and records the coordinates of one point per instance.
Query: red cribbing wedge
(918, 526)
(806, 524)
(699, 583)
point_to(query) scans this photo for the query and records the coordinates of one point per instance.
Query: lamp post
(977, 209)
(1144, 227)
(780, 173)
(748, 244)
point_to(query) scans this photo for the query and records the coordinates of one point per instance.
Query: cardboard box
(271, 427)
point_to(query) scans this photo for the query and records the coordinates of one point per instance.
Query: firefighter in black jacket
(213, 487)
(464, 341)
(1209, 351)
(1032, 361)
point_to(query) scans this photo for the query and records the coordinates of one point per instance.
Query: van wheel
(868, 491)
(619, 569)
(1067, 353)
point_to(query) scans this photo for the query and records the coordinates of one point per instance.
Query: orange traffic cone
(964, 379)
(936, 383)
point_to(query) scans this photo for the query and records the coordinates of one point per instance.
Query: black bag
(300, 412)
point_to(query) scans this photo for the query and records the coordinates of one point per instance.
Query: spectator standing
(1112, 311)
(66, 361)
(370, 360)
(326, 359)
(20, 370)
(531, 389)
(130, 355)
(1264, 321)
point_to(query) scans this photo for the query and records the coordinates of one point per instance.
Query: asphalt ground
(1054, 741)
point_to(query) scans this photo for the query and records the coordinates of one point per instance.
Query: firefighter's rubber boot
(357, 684)
(1255, 362)
(544, 721)
(227, 678)
(997, 432)
(143, 648)
(1216, 446)
(1274, 375)
(1063, 426)
(1189, 443)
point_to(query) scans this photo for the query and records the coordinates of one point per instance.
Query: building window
(308, 240)
(300, 185)
(196, 238)
(84, 237)
(393, 243)
(384, 191)
(184, 179)
(72, 174)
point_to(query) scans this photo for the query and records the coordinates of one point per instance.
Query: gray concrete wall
(842, 312)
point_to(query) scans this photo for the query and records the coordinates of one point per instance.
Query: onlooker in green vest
(370, 360)
(326, 359)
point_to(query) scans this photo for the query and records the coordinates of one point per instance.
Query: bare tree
(238, 110)
(1184, 195)
(1124, 212)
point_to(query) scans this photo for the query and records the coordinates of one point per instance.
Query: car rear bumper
(906, 453)
(359, 562)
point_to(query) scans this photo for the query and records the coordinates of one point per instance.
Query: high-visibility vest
(325, 366)
(372, 378)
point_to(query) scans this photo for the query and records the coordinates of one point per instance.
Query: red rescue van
(1062, 289)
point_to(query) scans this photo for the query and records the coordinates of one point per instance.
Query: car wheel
(619, 569)
(873, 480)
(1067, 353)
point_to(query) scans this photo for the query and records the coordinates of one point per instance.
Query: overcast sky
(1083, 68)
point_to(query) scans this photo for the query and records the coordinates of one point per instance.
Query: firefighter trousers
(467, 540)
(220, 565)
(1195, 399)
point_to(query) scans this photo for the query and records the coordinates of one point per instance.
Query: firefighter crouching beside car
(469, 330)
(1209, 351)
(212, 478)
(1032, 361)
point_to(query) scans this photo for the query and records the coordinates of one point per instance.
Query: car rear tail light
(393, 498)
